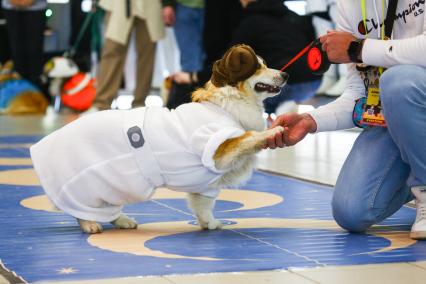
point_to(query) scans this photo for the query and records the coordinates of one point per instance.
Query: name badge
(372, 114)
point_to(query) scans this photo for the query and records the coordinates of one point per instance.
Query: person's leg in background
(15, 29)
(83, 55)
(188, 28)
(110, 72)
(5, 53)
(145, 48)
(26, 37)
(403, 94)
(35, 23)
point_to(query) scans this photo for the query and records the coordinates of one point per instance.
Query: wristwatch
(354, 50)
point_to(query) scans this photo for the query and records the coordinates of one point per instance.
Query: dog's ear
(237, 64)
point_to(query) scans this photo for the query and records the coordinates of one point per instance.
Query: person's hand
(336, 45)
(169, 17)
(296, 126)
(182, 77)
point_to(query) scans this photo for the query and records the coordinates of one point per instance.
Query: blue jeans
(384, 163)
(189, 31)
(292, 92)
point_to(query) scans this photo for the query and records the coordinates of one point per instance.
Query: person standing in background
(122, 16)
(277, 34)
(188, 29)
(221, 18)
(4, 40)
(82, 56)
(25, 23)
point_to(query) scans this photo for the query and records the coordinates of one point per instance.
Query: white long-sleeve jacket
(407, 46)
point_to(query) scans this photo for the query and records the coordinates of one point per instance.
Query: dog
(93, 166)
(18, 96)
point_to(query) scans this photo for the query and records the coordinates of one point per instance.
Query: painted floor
(318, 158)
(273, 223)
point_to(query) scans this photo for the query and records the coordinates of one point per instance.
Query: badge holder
(372, 112)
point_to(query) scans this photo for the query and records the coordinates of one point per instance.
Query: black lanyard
(128, 8)
(390, 18)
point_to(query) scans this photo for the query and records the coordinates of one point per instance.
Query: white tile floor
(385, 273)
(3, 280)
(318, 158)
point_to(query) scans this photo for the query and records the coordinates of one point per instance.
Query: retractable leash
(316, 58)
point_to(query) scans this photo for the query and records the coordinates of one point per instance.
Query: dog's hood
(237, 64)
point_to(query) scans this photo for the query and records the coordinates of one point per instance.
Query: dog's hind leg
(90, 227)
(202, 206)
(233, 150)
(124, 222)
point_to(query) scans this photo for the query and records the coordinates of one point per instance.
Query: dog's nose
(284, 76)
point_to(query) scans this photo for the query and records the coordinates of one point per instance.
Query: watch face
(314, 58)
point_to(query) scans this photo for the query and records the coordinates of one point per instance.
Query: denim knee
(353, 217)
(397, 85)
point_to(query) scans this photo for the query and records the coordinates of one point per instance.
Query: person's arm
(387, 53)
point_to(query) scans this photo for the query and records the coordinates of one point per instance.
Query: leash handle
(317, 59)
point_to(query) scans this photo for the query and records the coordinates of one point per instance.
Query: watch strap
(354, 50)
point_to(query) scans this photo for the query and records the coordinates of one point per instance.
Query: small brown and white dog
(27, 101)
(93, 166)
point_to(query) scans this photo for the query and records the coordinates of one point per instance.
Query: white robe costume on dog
(93, 166)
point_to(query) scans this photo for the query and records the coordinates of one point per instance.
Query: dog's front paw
(273, 131)
(213, 224)
(90, 227)
(264, 135)
(124, 222)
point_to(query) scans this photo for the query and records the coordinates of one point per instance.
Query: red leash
(300, 54)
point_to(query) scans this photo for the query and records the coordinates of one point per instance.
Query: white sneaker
(418, 231)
